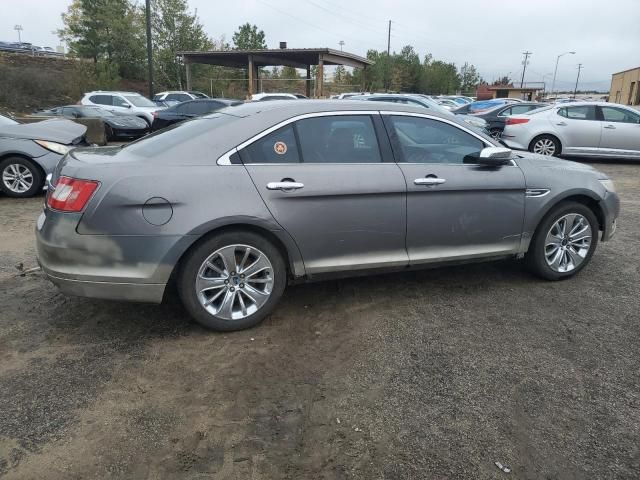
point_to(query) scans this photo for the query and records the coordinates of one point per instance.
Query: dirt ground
(433, 374)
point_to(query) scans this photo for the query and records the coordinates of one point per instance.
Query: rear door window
(580, 112)
(277, 147)
(101, 99)
(338, 139)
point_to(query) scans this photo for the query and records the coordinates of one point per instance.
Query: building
(529, 91)
(625, 87)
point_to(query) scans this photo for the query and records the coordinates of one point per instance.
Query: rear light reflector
(71, 194)
(516, 121)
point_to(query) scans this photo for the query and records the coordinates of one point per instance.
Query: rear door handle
(284, 186)
(429, 181)
(562, 124)
(610, 127)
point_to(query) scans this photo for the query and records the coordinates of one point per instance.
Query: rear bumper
(513, 143)
(117, 267)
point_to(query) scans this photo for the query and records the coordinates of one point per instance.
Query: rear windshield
(166, 139)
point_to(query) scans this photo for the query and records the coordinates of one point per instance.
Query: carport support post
(307, 90)
(320, 77)
(251, 74)
(187, 65)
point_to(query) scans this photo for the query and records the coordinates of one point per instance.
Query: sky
(490, 34)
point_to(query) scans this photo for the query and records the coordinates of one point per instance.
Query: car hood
(535, 160)
(56, 130)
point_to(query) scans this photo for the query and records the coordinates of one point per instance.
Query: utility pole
(341, 43)
(388, 72)
(18, 28)
(575, 90)
(524, 66)
(149, 48)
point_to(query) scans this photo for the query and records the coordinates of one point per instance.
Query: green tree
(503, 81)
(106, 30)
(469, 78)
(248, 37)
(175, 29)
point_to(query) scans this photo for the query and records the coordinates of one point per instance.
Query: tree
(248, 37)
(469, 78)
(106, 30)
(502, 81)
(174, 29)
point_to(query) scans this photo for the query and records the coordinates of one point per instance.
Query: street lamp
(341, 43)
(18, 28)
(556, 70)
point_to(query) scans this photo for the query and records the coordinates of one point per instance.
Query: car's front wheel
(546, 145)
(232, 281)
(20, 177)
(564, 242)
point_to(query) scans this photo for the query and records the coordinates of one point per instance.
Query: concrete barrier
(95, 127)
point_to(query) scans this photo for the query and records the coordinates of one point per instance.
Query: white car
(595, 129)
(131, 103)
(177, 96)
(261, 97)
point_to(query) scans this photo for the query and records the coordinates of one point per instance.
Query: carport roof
(293, 57)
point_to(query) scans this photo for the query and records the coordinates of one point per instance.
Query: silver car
(233, 206)
(596, 129)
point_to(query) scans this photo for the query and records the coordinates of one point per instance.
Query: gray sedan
(234, 205)
(30, 151)
(595, 129)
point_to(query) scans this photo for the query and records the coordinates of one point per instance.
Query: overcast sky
(491, 34)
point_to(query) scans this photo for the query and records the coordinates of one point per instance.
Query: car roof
(113, 92)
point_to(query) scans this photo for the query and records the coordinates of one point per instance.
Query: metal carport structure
(251, 60)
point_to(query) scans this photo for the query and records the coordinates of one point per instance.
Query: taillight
(515, 121)
(71, 194)
(155, 114)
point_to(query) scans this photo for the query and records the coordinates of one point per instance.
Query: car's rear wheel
(20, 177)
(564, 242)
(546, 145)
(232, 281)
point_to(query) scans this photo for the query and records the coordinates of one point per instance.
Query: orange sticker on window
(280, 148)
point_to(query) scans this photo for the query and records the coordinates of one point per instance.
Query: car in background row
(480, 106)
(586, 129)
(423, 101)
(190, 109)
(176, 96)
(30, 151)
(263, 97)
(448, 103)
(122, 102)
(116, 126)
(292, 191)
(459, 99)
(496, 117)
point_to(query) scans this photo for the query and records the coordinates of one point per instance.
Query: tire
(542, 252)
(233, 307)
(108, 133)
(495, 133)
(546, 145)
(20, 177)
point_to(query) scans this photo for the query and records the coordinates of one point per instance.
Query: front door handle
(284, 186)
(562, 124)
(610, 127)
(429, 181)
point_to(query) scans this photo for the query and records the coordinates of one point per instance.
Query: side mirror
(495, 156)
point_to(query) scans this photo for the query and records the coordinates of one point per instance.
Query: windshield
(7, 121)
(140, 101)
(94, 112)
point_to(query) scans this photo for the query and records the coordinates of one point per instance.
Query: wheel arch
(26, 157)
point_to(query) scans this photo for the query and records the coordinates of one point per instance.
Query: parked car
(593, 129)
(447, 103)
(457, 99)
(116, 126)
(496, 117)
(30, 151)
(186, 110)
(342, 96)
(236, 204)
(422, 101)
(262, 97)
(480, 106)
(177, 96)
(122, 102)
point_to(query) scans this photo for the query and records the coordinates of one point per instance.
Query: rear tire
(555, 256)
(546, 145)
(232, 280)
(20, 177)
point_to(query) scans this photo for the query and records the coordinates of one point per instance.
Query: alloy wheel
(234, 282)
(544, 146)
(567, 243)
(17, 178)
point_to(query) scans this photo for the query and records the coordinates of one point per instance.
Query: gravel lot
(433, 374)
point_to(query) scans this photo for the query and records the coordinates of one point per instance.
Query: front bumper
(611, 209)
(123, 267)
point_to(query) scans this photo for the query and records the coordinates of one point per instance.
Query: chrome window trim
(225, 160)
